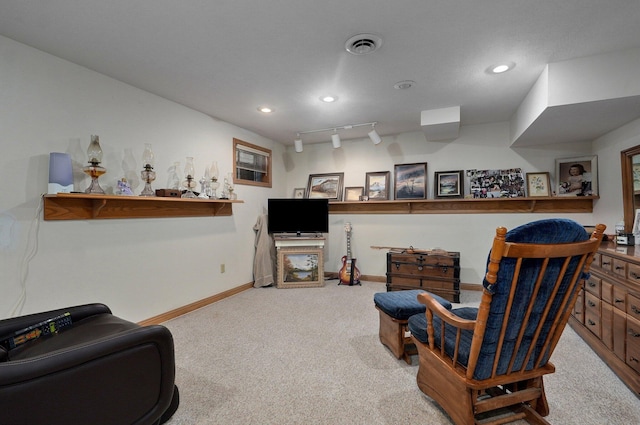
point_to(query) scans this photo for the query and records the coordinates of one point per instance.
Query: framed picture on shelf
(449, 184)
(577, 176)
(298, 193)
(636, 223)
(538, 185)
(327, 185)
(353, 193)
(507, 183)
(300, 267)
(377, 185)
(410, 181)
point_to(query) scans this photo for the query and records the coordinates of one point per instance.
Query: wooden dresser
(434, 271)
(607, 312)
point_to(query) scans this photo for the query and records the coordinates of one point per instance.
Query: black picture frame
(410, 181)
(448, 184)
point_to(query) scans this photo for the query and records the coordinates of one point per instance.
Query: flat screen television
(298, 216)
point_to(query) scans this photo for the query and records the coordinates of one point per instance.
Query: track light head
(374, 136)
(335, 140)
(298, 144)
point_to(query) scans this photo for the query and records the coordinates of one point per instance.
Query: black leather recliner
(99, 370)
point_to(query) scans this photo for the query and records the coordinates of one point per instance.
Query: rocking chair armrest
(434, 307)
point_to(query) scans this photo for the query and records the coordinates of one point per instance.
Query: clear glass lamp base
(94, 187)
(148, 190)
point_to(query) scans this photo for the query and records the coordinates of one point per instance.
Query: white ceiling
(227, 57)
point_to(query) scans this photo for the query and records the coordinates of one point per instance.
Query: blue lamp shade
(60, 173)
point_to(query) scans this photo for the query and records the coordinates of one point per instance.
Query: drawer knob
(591, 303)
(634, 275)
(605, 263)
(591, 322)
(420, 268)
(633, 359)
(633, 333)
(593, 285)
(618, 300)
(635, 309)
(619, 267)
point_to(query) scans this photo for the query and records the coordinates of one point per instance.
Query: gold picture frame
(300, 267)
(538, 185)
(353, 193)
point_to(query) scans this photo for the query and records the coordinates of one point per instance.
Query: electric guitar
(349, 273)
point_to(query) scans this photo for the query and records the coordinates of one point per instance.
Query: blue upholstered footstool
(395, 308)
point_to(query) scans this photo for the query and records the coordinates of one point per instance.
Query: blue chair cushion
(417, 324)
(548, 231)
(403, 304)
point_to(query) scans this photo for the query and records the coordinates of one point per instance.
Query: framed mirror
(630, 165)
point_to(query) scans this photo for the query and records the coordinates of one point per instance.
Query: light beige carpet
(312, 356)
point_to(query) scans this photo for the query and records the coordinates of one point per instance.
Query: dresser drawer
(633, 306)
(606, 291)
(592, 314)
(597, 257)
(606, 263)
(620, 268)
(633, 273)
(593, 285)
(619, 298)
(633, 343)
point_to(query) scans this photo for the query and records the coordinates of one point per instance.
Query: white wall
(139, 267)
(478, 147)
(145, 267)
(608, 209)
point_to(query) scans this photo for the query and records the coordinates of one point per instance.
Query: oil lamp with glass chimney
(94, 170)
(148, 175)
(189, 184)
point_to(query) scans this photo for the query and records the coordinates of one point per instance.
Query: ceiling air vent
(363, 44)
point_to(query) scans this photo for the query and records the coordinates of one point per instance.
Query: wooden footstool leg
(392, 335)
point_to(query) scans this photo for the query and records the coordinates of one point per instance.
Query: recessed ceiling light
(328, 99)
(501, 68)
(265, 109)
(403, 85)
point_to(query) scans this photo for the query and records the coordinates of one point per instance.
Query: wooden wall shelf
(577, 204)
(80, 206)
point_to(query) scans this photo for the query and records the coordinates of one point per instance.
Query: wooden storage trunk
(437, 272)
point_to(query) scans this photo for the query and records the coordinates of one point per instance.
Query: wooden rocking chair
(485, 365)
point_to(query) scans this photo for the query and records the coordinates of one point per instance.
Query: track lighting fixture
(374, 136)
(335, 137)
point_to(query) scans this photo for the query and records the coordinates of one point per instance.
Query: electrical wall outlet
(222, 268)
